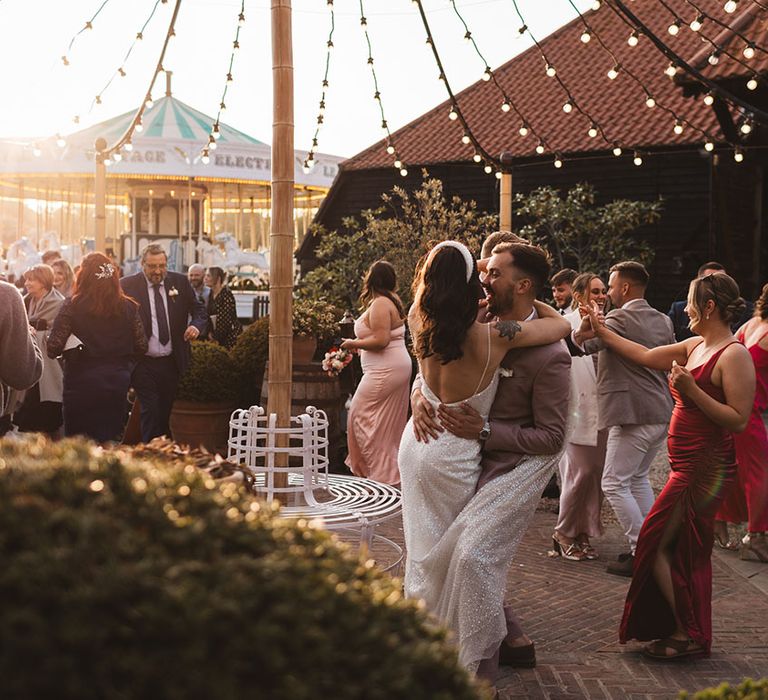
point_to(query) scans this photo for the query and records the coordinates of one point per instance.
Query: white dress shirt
(155, 348)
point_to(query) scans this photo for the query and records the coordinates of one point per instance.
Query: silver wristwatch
(485, 433)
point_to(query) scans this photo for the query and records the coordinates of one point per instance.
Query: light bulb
(617, 151)
(738, 156)
(465, 139)
(139, 127)
(149, 103)
(746, 128)
(61, 141)
(488, 169)
(498, 174)
(709, 99)
(551, 72)
(540, 149)
(205, 159)
(36, 152)
(731, 6)
(613, 73)
(390, 149)
(696, 24)
(128, 146)
(596, 5)
(568, 107)
(637, 160)
(650, 102)
(505, 106)
(709, 146)
(452, 115)
(403, 172)
(752, 83)
(213, 145)
(107, 161)
(714, 58)
(241, 19)
(671, 70)
(477, 157)
(117, 157)
(585, 36)
(398, 164)
(678, 128)
(633, 39)
(749, 51)
(305, 168)
(558, 163)
(486, 75)
(674, 28)
(592, 131)
(523, 130)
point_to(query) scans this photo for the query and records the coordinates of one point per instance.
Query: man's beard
(500, 304)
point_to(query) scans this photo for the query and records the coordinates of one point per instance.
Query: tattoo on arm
(508, 329)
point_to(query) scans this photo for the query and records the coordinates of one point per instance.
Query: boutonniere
(173, 293)
(504, 372)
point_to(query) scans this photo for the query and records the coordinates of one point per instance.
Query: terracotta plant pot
(304, 347)
(207, 424)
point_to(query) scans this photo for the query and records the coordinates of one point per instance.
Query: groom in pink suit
(527, 417)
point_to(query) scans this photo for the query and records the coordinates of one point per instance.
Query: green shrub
(250, 353)
(746, 690)
(124, 578)
(211, 375)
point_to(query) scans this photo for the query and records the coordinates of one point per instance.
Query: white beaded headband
(468, 259)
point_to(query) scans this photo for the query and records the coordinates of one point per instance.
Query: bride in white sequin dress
(459, 360)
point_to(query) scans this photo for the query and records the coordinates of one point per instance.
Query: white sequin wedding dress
(460, 543)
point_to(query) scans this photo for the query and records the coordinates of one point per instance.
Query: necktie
(163, 334)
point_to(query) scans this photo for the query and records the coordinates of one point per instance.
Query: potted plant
(206, 397)
(313, 319)
(250, 353)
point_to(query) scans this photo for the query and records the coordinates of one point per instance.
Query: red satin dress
(747, 500)
(703, 464)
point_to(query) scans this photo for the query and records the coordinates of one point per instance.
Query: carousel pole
(281, 236)
(100, 195)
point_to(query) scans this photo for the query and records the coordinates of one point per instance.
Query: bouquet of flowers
(335, 361)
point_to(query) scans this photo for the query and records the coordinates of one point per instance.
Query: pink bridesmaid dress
(379, 409)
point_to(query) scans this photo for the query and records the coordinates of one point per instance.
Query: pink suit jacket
(529, 412)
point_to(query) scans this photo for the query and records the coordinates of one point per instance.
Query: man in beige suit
(634, 402)
(527, 419)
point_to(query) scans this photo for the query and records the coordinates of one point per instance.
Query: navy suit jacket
(680, 319)
(181, 307)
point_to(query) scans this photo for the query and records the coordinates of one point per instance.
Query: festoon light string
(86, 27)
(391, 146)
(508, 104)
(651, 100)
(309, 161)
(136, 124)
(213, 137)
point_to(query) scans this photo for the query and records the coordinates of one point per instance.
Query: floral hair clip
(106, 270)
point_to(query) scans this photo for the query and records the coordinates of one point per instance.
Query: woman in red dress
(747, 501)
(712, 380)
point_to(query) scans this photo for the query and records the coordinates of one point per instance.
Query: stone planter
(304, 347)
(194, 423)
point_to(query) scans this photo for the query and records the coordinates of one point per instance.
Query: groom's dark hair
(530, 259)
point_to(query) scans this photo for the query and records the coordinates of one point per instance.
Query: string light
(309, 161)
(748, 51)
(60, 141)
(637, 159)
(617, 151)
(709, 146)
(453, 115)
(613, 73)
(702, 16)
(507, 104)
(568, 107)
(88, 25)
(752, 82)
(714, 58)
(558, 163)
(697, 23)
(731, 6)
(377, 95)
(746, 127)
(678, 128)
(550, 71)
(674, 28)
(634, 39)
(585, 37)
(738, 156)
(650, 102)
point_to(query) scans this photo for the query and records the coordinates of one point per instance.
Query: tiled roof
(617, 105)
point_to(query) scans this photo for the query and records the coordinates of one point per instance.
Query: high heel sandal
(754, 547)
(590, 553)
(571, 552)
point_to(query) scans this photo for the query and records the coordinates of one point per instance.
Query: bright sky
(40, 95)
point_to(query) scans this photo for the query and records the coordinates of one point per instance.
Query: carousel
(211, 208)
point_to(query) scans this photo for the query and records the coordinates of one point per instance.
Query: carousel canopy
(170, 145)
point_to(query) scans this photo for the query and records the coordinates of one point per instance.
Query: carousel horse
(22, 255)
(236, 257)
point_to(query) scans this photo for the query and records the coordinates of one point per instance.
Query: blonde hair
(41, 273)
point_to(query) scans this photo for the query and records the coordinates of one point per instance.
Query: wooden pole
(505, 202)
(100, 196)
(281, 234)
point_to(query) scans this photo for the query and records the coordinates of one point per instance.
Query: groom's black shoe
(518, 657)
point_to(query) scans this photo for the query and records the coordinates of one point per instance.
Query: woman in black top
(222, 309)
(106, 325)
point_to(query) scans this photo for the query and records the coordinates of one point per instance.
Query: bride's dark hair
(447, 304)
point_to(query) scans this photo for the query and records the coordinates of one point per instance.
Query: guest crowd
(591, 391)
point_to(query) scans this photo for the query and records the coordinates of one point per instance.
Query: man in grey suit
(634, 402)
(527, 418)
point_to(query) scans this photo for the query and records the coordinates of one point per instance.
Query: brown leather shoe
(518, 657)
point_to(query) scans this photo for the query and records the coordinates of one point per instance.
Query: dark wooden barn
(713, 205)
